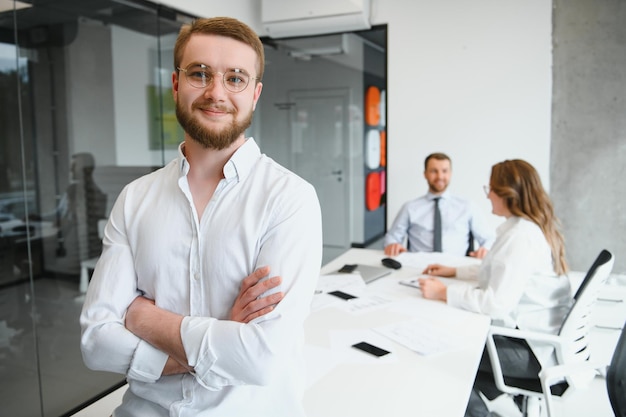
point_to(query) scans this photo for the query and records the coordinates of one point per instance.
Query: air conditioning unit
(290, 18)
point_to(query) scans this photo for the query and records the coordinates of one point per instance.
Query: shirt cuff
(147, 363)
(196, 334)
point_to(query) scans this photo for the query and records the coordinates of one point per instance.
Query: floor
(41, 338)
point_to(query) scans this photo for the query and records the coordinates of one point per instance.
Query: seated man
(460, 223)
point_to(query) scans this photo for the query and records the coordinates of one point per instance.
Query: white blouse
(516, 280)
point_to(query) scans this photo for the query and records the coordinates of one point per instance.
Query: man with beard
(460, 223)
(168, 305)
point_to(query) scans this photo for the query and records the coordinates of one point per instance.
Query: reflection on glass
(75, 127)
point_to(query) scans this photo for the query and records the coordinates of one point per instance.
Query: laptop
(372, 273)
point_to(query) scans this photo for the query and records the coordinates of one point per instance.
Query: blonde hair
(518, 183)
(221, 26)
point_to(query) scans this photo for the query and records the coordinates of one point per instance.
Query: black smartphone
(371, 349)
(342, 295)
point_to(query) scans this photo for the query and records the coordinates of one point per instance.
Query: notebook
(372, 273)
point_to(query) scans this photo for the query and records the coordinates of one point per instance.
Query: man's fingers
(259, 313)
(255, 277)
(250, 303)
(263, 302)
(261, 306)
(261, 287)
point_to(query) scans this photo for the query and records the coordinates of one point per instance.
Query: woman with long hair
(522, 276)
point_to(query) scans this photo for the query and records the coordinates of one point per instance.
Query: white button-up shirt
(415, 223)
(155, 245)
(516, 279)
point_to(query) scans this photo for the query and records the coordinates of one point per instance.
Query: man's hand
(480, 253)
(247, 305)
(394, 249)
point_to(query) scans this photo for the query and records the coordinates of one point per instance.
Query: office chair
(616, 377)
(570, 343)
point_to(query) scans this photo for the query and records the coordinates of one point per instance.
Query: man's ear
(175, 80)
(257, 93)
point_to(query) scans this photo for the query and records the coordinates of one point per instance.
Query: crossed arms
(161, 328)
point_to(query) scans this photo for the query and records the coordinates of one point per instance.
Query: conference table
(434, 349)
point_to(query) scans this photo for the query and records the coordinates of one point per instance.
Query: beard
(436, 188)
(207, 137)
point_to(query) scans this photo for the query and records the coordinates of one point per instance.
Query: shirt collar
(430, 196)
(507, 225)
(242, 161)
(238, 166)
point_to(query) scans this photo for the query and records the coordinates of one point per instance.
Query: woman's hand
(433, 289)
(440, 270)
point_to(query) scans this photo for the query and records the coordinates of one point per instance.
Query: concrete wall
(588, 163)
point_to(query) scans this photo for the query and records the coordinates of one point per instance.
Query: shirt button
(196, 276)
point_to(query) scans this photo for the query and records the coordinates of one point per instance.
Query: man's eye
(198, 74)
(235, 79)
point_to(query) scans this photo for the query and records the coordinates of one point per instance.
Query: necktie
(437, 230)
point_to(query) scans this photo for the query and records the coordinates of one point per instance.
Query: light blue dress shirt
(415, 223)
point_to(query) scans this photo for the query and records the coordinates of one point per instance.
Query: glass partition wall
(85, 107)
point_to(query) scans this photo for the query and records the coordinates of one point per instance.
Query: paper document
(365, 303)
(422, 336)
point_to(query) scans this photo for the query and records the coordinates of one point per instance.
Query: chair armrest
(552, 339)
(581, 373)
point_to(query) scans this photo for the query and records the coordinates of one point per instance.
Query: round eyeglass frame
(208, 80)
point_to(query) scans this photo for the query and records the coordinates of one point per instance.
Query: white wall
(472, 79)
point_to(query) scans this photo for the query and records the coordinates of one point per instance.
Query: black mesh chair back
(616, 377)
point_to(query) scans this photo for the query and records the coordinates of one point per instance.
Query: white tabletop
(345, 382)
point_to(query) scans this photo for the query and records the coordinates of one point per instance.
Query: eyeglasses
(487, 189)
(200, 76)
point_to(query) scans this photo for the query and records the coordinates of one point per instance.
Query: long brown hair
(518, 183)
(222, 26)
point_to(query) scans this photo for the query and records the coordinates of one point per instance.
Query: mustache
(211, 105)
